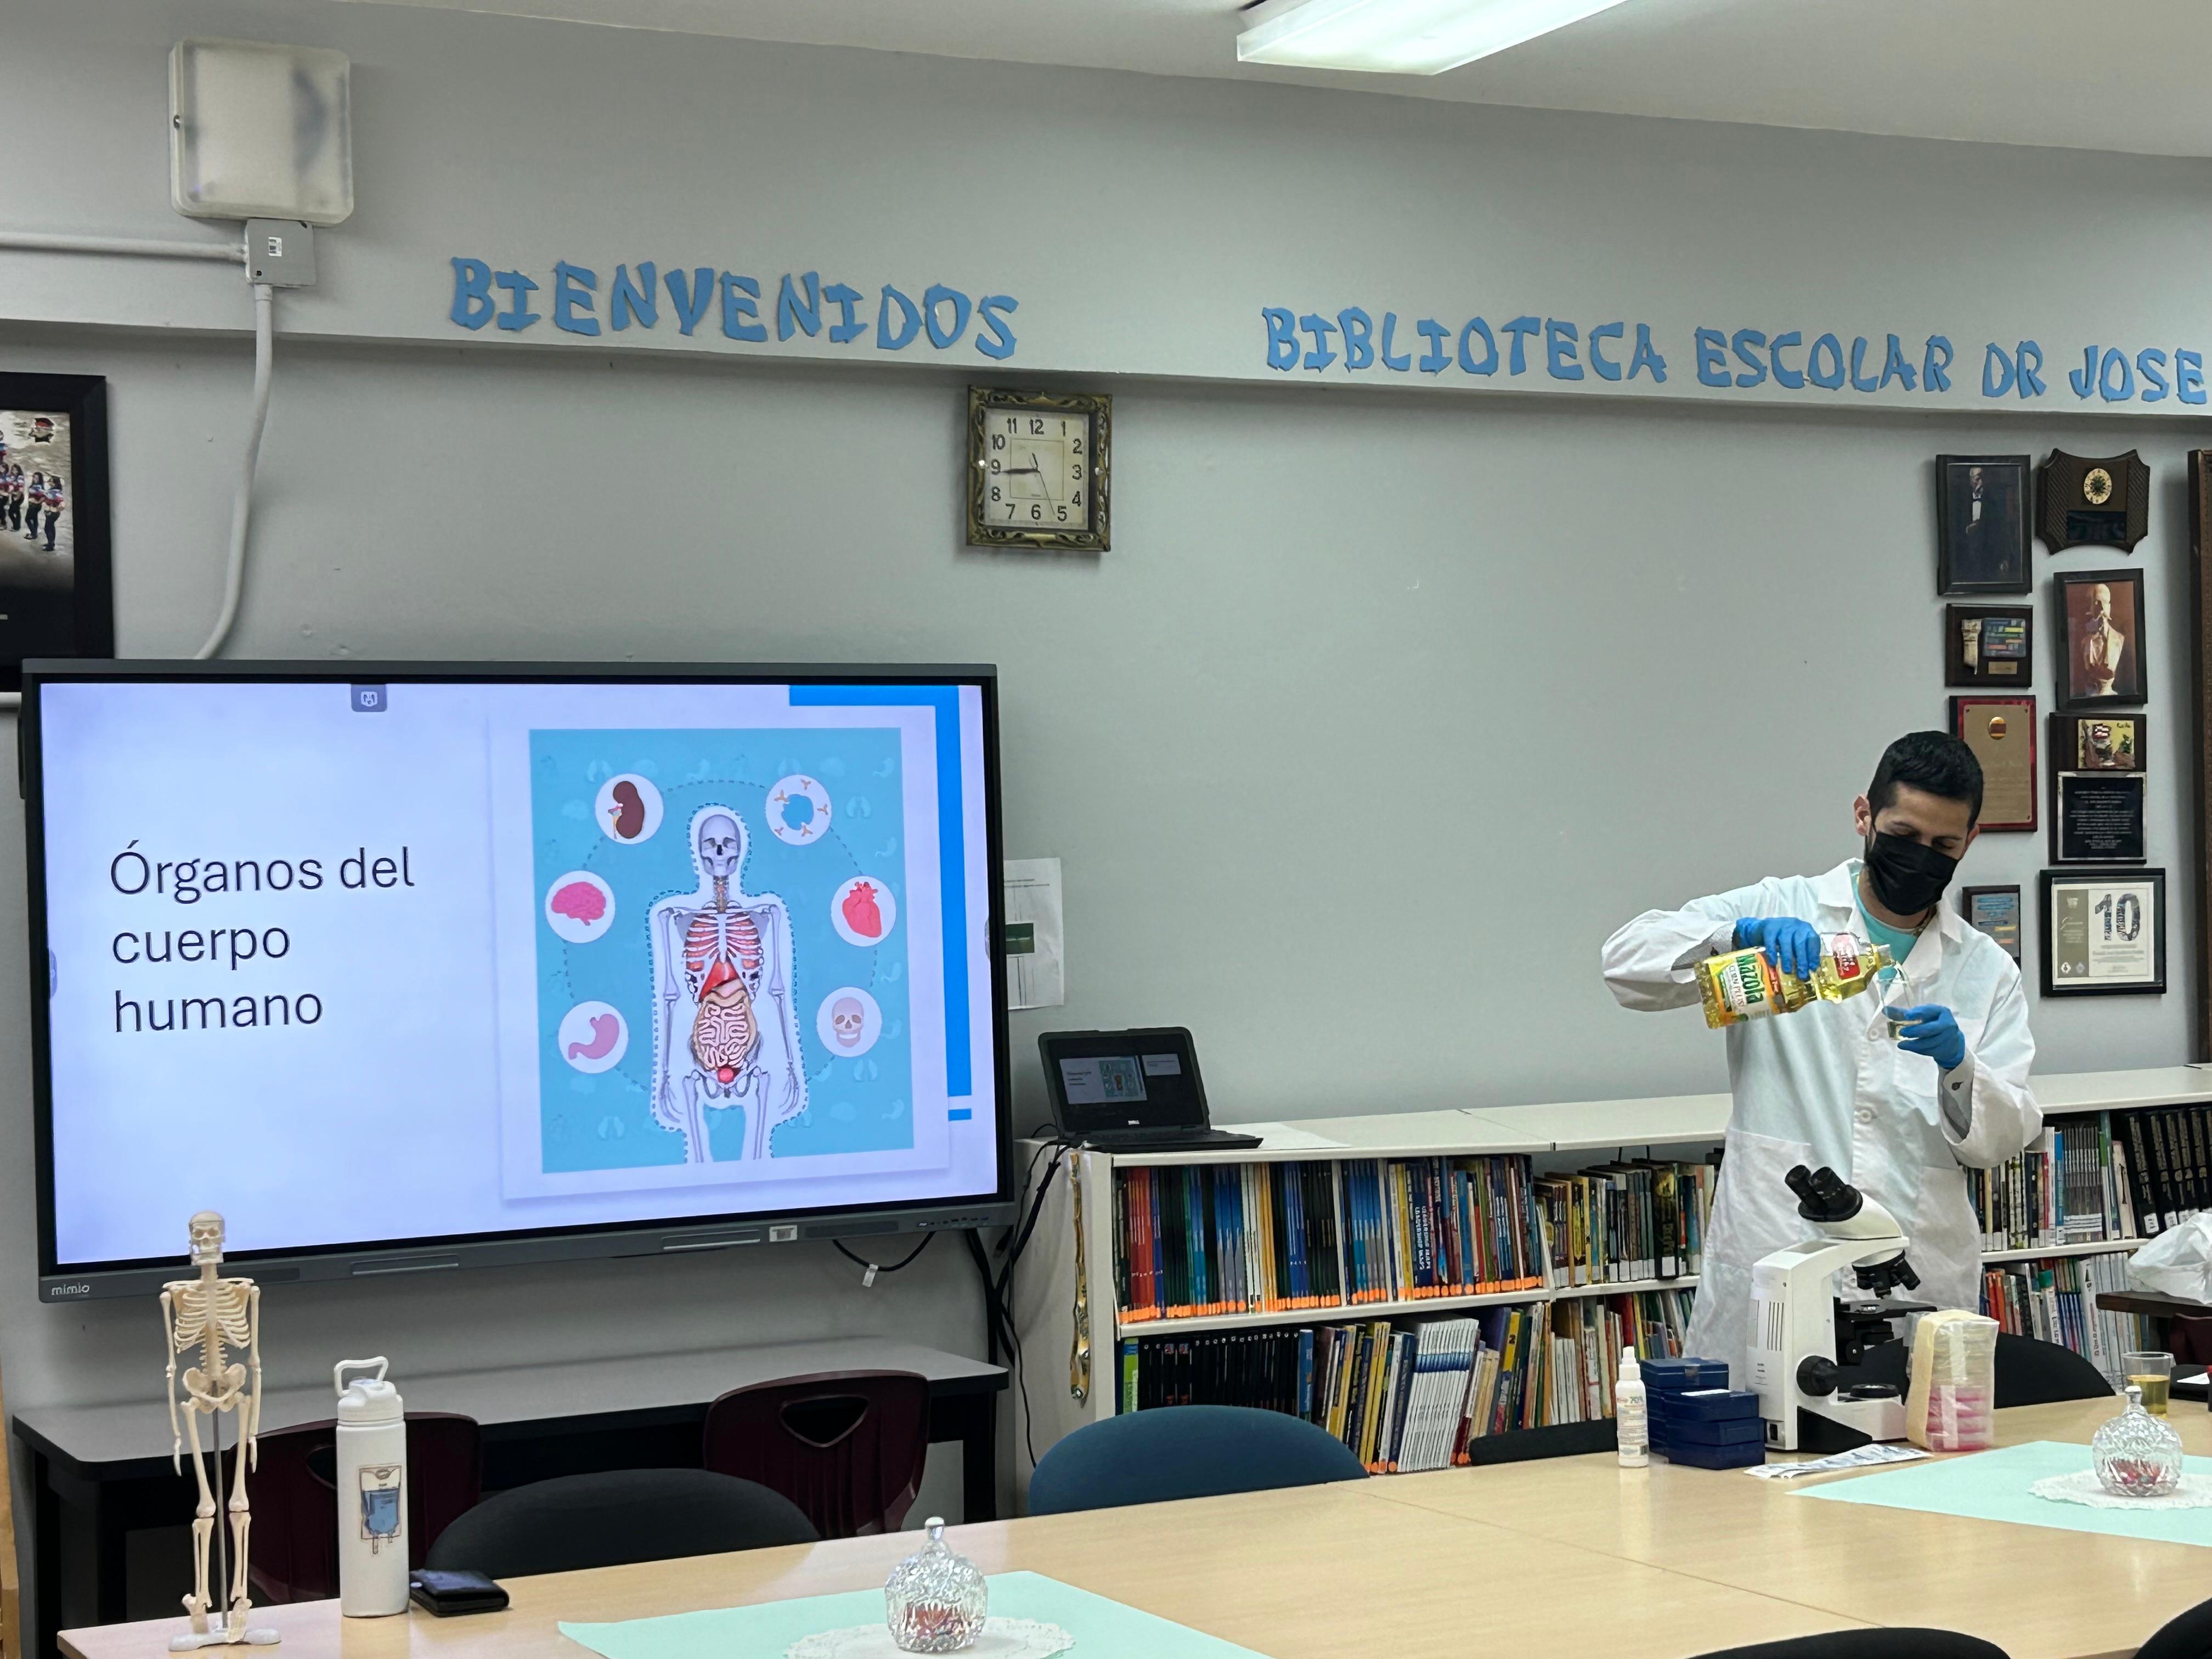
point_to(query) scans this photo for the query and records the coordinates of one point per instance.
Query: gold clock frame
(1099, 407)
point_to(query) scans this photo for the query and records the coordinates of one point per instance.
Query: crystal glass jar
(935, 1601)
(2136, 1455)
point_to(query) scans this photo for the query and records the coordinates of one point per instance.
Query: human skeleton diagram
(206, 1316)
(725, 1033)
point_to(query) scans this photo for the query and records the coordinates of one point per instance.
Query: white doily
(2195, 1492)
(1002, 1638)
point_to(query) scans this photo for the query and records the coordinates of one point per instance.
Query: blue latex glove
(1794, 945)
(1931, 1029)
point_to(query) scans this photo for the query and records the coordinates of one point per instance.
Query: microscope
(1805, 1337)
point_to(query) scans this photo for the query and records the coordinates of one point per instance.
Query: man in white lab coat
(1827, 1085)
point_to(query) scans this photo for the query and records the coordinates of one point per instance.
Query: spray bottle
(1633, 1425)
(372, 1491)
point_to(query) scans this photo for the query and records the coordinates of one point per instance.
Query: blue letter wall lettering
(1858, 362)
(838, 294)
(990, 313)
(1829, 378)
(1996, 371)
(2116, 358)
(1745, 343)
(472, 306)
(2084, 381)
(1404, 360)
(1521, 328)
(518, 315)
(1436, 359)
(889, 339)
(627, 298)
(1358, 330)
(2031, 375)
(1607, 369)
(933, 296)
(1489, 364)
(2188, 376)
(2151, 365)
(1712, 357)
(1933, 374)
(692, 298)
(1282, 337)
(573, 286)
(793, 314)
(1320, 327)
(1561, 360)
(1645, 357)
(1894, 368)
(1783, 374)
(740, 318)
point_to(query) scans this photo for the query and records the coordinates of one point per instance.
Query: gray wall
(1382, 711)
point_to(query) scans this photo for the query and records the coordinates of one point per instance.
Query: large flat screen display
(402, 966)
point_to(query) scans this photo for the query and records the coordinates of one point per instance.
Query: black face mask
(1906, 876)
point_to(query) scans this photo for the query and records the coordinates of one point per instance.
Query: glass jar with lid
(935, 1601)
(2134, 1454)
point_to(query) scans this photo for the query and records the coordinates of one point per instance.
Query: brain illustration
(582, 901)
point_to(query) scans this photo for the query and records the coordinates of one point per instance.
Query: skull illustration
(205, 1230)
(845, 1019)
(721, 846)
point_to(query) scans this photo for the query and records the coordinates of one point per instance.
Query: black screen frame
(58, 1283)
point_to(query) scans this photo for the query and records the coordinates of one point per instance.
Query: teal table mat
(1102, 1629)
(1993, 1485)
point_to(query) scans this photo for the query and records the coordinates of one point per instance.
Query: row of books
(1192, 1240)
(2056, 1301)
(1412, 1395)
(2072, 1187)
(2165, 1154)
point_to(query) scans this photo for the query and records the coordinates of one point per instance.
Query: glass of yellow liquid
(2152, 1373)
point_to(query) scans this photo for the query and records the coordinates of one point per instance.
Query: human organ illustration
(862, 914)
(726, 1036)
(607, 1031)
(580, 900)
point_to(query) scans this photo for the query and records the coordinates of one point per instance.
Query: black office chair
(1185, 1451)
(2029, 1372)
(1871, 1644)
(613, 1519)
(2185, 1636)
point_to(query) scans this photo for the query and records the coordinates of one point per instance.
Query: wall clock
(1038, 469)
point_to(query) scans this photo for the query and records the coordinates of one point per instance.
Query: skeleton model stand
(208, 1315)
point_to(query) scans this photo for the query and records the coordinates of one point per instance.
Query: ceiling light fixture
(1399, 37)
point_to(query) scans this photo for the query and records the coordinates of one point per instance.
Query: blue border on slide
(952, 848)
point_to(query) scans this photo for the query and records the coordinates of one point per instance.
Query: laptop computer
(1131, 1091)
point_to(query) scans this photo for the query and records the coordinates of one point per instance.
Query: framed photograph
(1989, 645)
(1981, 523)
(2100, 617)
(2097, 818)
(2001, 731)
(1994, 911)
(2104, 932)
(57, 579)
(2098, 743)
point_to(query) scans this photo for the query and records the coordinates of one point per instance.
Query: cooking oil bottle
(1742, 985)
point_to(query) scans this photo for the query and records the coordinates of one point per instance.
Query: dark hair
(1934, 762)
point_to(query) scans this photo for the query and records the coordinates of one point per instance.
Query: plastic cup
(2153, 1374)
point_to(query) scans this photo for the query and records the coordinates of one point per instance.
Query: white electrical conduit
(241, 505)
(241, 509)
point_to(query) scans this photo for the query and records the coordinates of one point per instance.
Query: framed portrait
(2001, 731)
(2097, 818)
(1994, 911)
(2098, 742)
(1989, 645)
(1981, 523)
(2100, 631)
(2104, 932)
(57, 579)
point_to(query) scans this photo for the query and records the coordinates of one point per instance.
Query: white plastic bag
(2178, 1262)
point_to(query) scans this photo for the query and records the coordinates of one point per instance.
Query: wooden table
(98, 1471)
(1567, 1555)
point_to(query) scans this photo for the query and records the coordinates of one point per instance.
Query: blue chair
(1186, 1451)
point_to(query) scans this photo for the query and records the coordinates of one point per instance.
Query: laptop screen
(1123, 1079)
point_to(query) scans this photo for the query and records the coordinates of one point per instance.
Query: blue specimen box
(1711, 1405)
(1724, 1431)
(1741, 1455)
(1673, 1376)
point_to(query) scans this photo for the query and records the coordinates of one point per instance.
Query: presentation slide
(359, 964)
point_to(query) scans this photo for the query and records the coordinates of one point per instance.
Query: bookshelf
(1553, 1136)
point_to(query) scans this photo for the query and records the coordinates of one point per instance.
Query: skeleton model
(726, 1034)
(207, 1315)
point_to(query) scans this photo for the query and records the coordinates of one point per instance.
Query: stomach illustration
(607, 1031)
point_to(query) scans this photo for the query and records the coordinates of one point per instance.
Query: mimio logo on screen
(78, 1289)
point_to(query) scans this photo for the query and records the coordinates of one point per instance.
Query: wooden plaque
(2086, 501)
(2001, 731)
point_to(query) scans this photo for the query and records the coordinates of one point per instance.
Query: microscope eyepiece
(1823, 1195)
